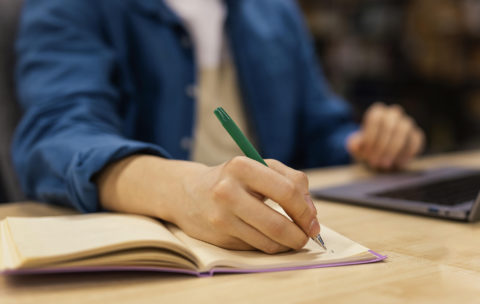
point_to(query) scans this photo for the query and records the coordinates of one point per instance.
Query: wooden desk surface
(430, 261)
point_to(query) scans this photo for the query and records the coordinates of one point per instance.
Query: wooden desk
(430, 261)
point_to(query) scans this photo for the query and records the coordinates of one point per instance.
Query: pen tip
(318, 239)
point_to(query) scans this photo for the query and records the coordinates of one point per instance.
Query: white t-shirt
(217, 82)
(204, 20)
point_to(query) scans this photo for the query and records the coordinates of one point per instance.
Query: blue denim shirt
(101, 80)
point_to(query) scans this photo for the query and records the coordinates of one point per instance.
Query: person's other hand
(388, 139)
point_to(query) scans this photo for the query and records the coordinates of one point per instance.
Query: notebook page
(340, 249)
(61, 238)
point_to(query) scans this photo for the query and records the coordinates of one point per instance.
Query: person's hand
(388, 139)
(223, 205)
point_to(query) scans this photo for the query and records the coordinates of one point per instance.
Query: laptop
(451, 193)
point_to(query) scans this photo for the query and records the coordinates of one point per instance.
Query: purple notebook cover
(378, 257)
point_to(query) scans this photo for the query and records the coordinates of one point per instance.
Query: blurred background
(421, 54)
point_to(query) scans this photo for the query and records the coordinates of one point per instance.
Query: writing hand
(223, 205)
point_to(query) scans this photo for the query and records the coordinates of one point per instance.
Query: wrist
(147, 185)
(120, 185)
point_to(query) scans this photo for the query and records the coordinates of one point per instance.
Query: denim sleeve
(72, 126)
(327, 119)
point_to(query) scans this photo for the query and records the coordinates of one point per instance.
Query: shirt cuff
(82, 191)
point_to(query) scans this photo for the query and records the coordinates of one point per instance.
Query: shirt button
(191, 91)
(186, 143)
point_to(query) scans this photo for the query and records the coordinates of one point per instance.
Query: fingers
(398, 144)
(388, 128)
(288, 193)
(372, 126)
(389, 138)
(273, 231)
(415, 145)
(242, 215)
(298, 177)
(238, 235)
(258, 240)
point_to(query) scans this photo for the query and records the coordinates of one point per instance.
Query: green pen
(247, 148)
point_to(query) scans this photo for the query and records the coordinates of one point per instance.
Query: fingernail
(314, 228)
(309, 201)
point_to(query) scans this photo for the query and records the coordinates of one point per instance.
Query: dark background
(421, 54)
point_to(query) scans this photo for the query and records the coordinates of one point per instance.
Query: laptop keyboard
(446, 192)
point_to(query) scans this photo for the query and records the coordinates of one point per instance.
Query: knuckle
(218, 220)
(406, 126)
(235, 164)
(374, 112)
(222, 191)
(378, 119)
(305, 212)
(300, 177)
(273, 162)
(389, 124)
(396, 109)
(288, 191)
(377, 106)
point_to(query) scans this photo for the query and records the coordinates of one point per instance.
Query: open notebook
(108, 242)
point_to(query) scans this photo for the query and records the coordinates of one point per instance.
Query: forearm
(219, 204)
(145, 184)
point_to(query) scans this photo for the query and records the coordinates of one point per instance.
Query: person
(118, 99)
